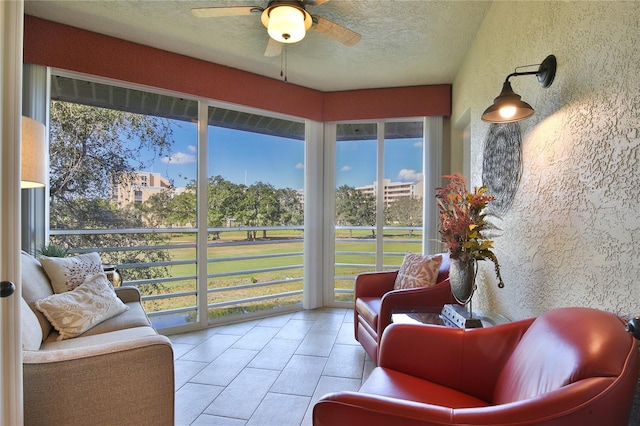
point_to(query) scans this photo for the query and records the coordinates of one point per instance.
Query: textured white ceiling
(404, 43)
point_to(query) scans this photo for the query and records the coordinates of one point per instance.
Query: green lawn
(234, 244)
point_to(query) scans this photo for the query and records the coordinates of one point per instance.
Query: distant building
(140, 189)
(392, 191)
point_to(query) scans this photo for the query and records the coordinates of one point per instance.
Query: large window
(379, 198)
(255, 214)
(124, 182)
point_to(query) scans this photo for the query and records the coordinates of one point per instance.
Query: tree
(354, 208)
(259, 207)
(224, 199)
(405, 211)
(89, 147)
(291, 209)
(157, 209)
(92, 149)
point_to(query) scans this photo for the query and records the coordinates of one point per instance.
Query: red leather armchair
(570, 366)
(375, 299)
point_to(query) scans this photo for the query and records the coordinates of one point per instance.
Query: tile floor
(266, 372)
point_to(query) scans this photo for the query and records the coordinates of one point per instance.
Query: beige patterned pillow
(67, 273)
(418, 271)
(76, 311)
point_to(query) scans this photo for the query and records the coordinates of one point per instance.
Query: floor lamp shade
(34, 171)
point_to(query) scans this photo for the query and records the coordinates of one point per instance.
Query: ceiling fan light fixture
(286, 23)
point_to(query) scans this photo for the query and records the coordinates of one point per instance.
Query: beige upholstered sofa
(119, 372)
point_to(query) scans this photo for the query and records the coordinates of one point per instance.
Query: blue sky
(247, 158)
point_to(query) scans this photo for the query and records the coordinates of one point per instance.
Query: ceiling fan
(286, 21)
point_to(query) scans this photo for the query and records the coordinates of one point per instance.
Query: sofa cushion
(134, 316)
(35, 286)
(85, 341)
(418, 270)
(67, 273)
(31, 331)
(74, 312)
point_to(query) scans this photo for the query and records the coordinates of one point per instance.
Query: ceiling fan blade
(314, 2)
(335, 31)
(215, 12)
(274, 48)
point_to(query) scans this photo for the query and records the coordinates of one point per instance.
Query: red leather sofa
(570, 366)
(375, 300)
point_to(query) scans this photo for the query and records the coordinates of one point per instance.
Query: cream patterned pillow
(67, 273)
(76, 311)
(418, 271)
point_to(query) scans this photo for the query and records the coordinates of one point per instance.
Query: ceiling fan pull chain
(283, 64)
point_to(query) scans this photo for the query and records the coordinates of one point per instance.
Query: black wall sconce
(508, 107)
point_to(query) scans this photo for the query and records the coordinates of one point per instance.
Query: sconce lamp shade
(507, 107)
(286, 23)
(34, 171)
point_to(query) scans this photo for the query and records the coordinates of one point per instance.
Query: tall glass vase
(462, 277)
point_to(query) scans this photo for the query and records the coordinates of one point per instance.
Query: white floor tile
(266, 372)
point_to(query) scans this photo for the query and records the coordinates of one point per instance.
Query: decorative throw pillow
(418, 271)
(67, 273)
(76, 311)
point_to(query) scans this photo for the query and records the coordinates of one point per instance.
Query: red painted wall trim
(61, 46)
(374, 104)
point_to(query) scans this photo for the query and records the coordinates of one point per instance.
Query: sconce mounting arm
(546, 72)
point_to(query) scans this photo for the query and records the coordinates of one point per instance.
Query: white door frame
(12, 19)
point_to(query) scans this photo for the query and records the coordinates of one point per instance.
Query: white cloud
(300, 166)
(345, 169)
(192, 148)
(179, 158)
(418, 144)
(409, 175)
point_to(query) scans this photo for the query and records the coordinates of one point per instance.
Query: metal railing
(258, 274)
(177, 294)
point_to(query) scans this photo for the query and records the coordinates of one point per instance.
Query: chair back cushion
(418, 270)
(561, 347)
(35, 286)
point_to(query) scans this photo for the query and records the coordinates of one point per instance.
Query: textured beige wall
(572, 235)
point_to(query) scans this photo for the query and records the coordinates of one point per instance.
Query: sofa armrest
(128, 294)
(374, 284)
(465, 360)
(121, 382)
(346, 408)
(414, 298)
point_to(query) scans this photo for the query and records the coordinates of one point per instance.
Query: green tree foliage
(355, 208)
(166, 209)
(257, 205)
(224, 199)
(89, 146)
(89, 150)
(291, 209)
(405, 211)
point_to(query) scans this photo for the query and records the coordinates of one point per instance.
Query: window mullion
(380, 198)
(202, 204)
